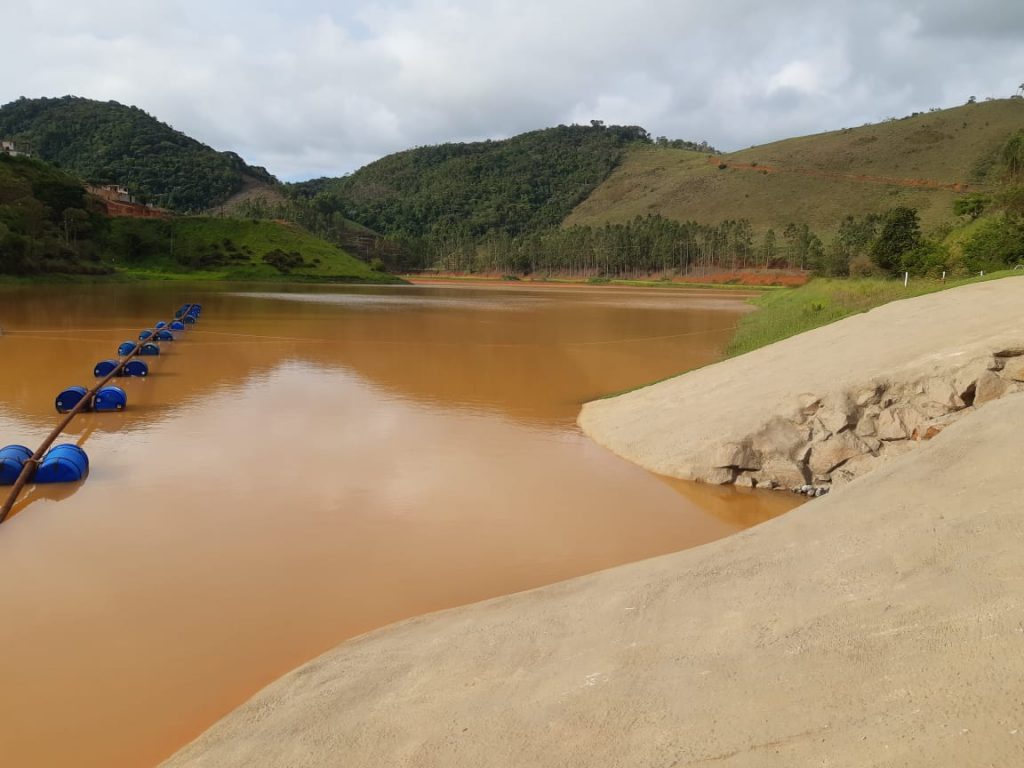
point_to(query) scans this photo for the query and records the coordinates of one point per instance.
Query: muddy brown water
(306, 465)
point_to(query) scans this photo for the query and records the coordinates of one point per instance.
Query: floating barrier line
(32, 463)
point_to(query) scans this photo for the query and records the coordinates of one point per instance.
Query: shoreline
(858, 629)
(840, 632)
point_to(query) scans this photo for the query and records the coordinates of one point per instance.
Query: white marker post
(906, 277)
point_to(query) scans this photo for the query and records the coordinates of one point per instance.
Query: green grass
(207, 248)
(815, 180)
(786, 313)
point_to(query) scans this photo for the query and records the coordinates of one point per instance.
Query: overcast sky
(315, 87)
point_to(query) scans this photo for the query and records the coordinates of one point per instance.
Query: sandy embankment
(831, 404)
(882, 625)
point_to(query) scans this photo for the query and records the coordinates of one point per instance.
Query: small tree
(901, 233)
(972, 205)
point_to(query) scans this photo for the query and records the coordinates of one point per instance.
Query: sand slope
(882, 625)
(789, 411)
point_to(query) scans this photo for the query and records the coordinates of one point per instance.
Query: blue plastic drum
(110, 399)
(189, 319)
(161, 324)
(149, 349)
(12, 460)
(63, 464)
(135, 368)
(164, 335)
(69, 398)
(177, 325)
(104, 368)
(126, 348)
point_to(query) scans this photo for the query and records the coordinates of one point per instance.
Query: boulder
(1014, 369)
(716, 475)
(834, 452)
(781, 472)
(736, 455)
(897, 423)
(868, 395)
(854, 468)
(837, 414)
(989, 386)
(938, 397)
(966, 379)
(866, 425)
(781, 438)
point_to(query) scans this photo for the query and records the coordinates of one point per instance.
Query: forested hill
(526, 183)
(110, 143)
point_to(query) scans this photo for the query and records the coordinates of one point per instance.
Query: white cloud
(320, 87)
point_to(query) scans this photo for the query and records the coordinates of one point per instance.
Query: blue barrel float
(12, 460)
(163, 335)
(63, 464)
(149, 349)
(126, 348)
(110, 398)
(145, 335)
(104, 368)
(177, 325)
(69, 398)
(135, 368)
(161, 324)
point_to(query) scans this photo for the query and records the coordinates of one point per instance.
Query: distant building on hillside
(8, 147)
(114, 193)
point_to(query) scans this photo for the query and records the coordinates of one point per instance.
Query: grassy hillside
(522, 184)
(782, 314)
(236, 249)
(107, 142)
(50, 226)
(922, 162)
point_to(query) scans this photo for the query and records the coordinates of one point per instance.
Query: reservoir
(307, 464)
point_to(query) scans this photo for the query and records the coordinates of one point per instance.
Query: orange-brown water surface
(307, 464)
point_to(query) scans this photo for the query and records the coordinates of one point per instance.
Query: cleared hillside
(922, 162)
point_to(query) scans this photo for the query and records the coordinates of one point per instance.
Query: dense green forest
(107, 143)
(46, 221)
(524, 184)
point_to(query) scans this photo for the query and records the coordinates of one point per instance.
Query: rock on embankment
(827, 406)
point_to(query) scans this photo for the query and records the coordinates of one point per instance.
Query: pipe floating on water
(69, 463)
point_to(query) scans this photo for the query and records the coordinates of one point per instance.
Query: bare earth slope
(880, 625)
(829, 404)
